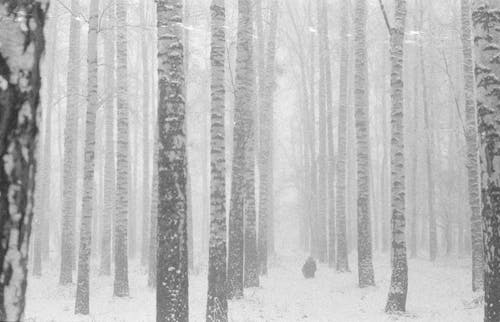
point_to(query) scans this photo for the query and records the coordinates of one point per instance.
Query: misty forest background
(195, 153)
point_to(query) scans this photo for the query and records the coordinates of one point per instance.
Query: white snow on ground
(438, 292)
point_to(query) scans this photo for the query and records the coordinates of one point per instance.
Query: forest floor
(437, 292)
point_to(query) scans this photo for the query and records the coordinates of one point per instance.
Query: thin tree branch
(385, 17)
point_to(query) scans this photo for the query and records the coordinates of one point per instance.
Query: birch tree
(322, 141)
(82, 286)
(172, 261)
(109, 133)
(342, 255)
(23, 42)
(399, 279)
(217, 296)
(70, 146)
(266, 141)
(120, 286)
(244, 97)
(486, 21)
(472, 149)
(365, 265)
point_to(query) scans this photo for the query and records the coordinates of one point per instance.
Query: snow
(437, 292)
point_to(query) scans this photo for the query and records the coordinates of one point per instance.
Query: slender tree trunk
(472, 149)
(365, 265)
(153, 232)
(109, 158)
(430, 149)
(398, 290)
(487, 70)
(322, 139)
(22, 28)
(82, 287)
(266, 143)
(146, 149)
(120, 287)
(70, 150)
(244, 96)
(329, 137)
(342, 254)
(414, 168)
(217, 292)
(172, 262)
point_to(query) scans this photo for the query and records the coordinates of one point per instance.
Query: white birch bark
(82, 287)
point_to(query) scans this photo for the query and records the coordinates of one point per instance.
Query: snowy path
(441, 294)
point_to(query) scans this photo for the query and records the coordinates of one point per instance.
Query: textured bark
(472, 142)
(82, 287)
(322, 147)
(414, 166)
(266, 142)
(120, 226)
(330, 145)
(486, 21)
(172, 266)
(342, 255)
(23, 43)
(365, 265)
(217, 291)
(109, 158)
(243, 117)
(70, 146)
(398, 289)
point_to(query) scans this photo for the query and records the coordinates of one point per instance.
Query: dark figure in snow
(309, 268)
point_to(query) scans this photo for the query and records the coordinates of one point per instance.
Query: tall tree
(329, 136)
(217, 295)
(486, 23)
(266, 141)
(120, 286)
(153, 227)
(82, 287)
(342, 255)
(146, 149)
(399, 279)
(172, 266)
(322, 141)
(23, 43)
(243, 117)
(365, 265)
(472, 149)
(109, 133)
(70, 147)
(429, 143)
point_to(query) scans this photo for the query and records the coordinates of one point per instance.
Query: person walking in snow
(309, 268)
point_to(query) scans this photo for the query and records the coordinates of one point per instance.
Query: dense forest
(249, 160)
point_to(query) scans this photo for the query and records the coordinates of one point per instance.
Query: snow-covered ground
(438, 292)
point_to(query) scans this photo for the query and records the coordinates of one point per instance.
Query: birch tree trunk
(342, 255)
(398, 289)
(472, 149)
(70, 150)
(266, 142)
(251, 262)
(146, 149)
(109, 158)
(322, 139)
(487, 41)
(365, 265)
(82, 287)
(172, 261)
(244, 96)
(217, 294)
(330, 145)
(120, 287)
(22, 47)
